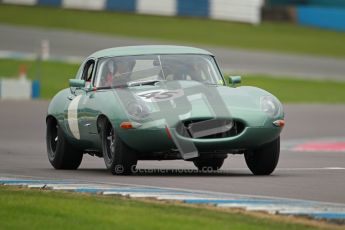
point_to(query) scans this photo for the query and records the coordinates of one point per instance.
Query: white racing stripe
(72, 116)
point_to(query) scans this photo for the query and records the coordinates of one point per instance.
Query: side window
(88, 70)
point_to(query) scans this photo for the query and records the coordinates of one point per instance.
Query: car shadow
(179, 173)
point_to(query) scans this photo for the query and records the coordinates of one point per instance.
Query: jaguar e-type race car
(161, 103)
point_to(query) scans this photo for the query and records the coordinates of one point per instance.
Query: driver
(119, 71)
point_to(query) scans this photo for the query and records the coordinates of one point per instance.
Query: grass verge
(34, 209)
(299, 91)
(280, 37)
(55, 77)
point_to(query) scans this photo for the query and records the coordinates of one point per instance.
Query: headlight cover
(137, 110)
(270, 106)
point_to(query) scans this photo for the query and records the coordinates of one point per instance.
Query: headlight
(270, 106)
(137, 110)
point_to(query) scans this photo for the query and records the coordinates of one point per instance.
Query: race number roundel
(160, 95)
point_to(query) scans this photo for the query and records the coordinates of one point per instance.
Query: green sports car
(161, 103)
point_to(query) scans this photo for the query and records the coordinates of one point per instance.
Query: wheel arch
(103, 118)
(49, 116)
(100, 119)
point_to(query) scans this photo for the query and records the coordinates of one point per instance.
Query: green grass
(55, 75)
(299, 91)
(280, 37)
(34, 209)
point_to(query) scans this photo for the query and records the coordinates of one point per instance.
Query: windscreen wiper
(148, 82)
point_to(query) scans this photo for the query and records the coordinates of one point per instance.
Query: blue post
(35, 89)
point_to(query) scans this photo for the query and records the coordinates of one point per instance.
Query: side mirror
(77, 83)
(233, 80)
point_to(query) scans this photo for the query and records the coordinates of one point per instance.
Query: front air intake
(210, 128)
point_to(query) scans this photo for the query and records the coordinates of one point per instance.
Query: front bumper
(146, 140)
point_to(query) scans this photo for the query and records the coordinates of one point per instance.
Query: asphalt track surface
(79, 44)
(316, 176)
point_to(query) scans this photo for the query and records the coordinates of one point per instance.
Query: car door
(76, 108)
(71, 110)
(87, 106)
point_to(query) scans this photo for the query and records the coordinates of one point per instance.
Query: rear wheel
(61, 154)
(263, 161)
(208, 163)
(118, 157)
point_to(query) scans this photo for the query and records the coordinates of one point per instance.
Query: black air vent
(210, 128)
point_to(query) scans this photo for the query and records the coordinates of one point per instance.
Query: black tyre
(209, 163)
(61, 154)
(118, 157)
(263, 161)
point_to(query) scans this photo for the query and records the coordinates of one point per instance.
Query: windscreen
(129, 70)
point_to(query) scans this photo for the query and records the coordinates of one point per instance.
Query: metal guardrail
(248, 11)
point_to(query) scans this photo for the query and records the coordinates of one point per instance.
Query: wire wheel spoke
(111, 143)
(53, 140)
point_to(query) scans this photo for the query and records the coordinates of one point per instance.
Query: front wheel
(61, 154)
(263, 161)
(118, 157)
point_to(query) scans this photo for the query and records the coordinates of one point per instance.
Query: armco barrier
(327, 18)
(320, 3)
(50, 2)
(82, 4)
(198, 8)
(154, 7)
(237, 10)
(248, 11)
